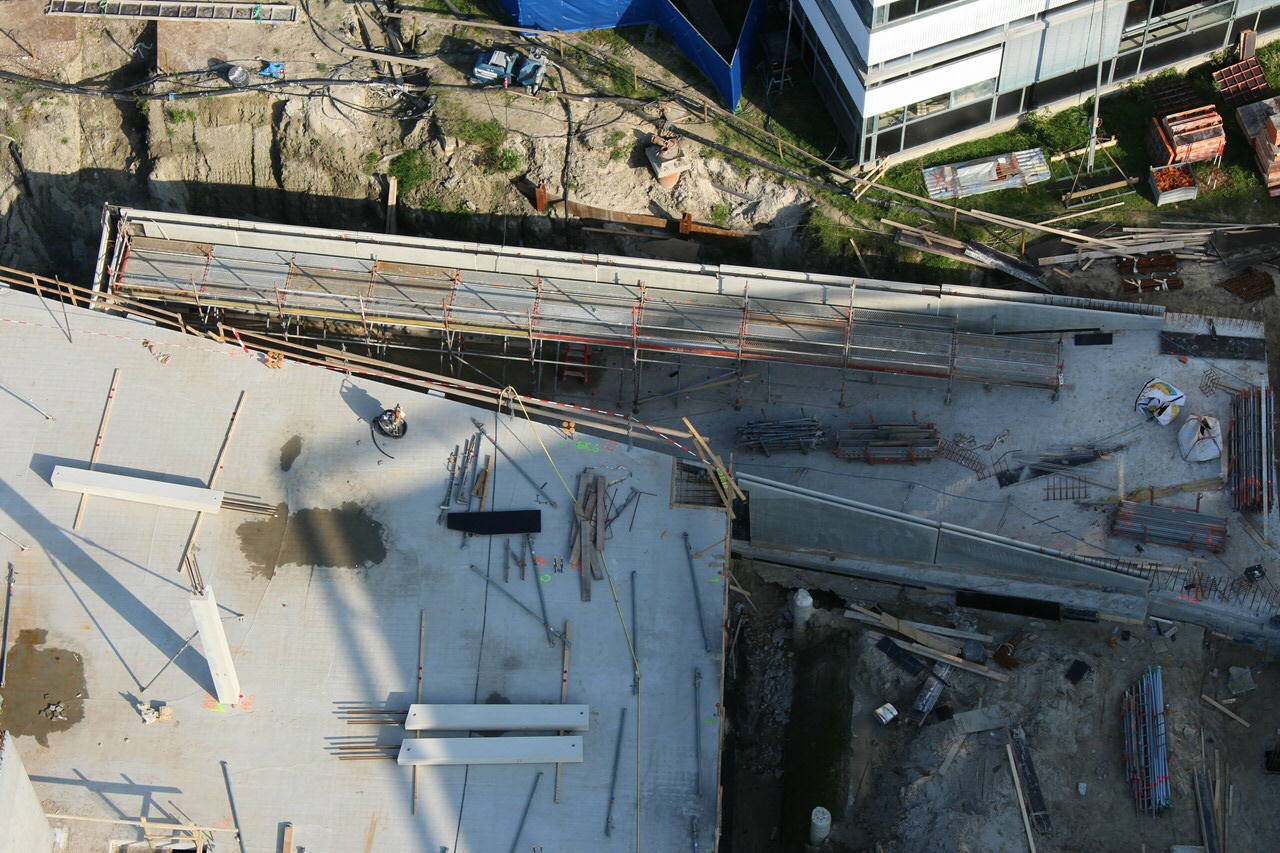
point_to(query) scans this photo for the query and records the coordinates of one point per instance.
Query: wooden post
(422, 650)
(97, 444)
(213, 479)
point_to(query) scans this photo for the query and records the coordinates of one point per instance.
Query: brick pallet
(1190, 136)
(1261, 123)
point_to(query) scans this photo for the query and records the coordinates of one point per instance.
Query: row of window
(938, 103)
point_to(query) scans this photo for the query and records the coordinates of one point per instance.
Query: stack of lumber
(1190, 242)
(1260, 122)
(590, 517)
(969, 253)
(1190, 136)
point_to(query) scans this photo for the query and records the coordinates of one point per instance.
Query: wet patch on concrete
(44, 688)
(290, 452)
(345, 537)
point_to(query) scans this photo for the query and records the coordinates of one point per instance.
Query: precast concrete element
(139, 489)
(23, 826)
(801, 608)
(819, 825)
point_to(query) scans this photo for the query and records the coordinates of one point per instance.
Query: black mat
(501, 522)
(1213, 346)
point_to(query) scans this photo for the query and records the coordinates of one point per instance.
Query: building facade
(899, 75)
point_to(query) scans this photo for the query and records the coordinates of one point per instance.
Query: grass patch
(488, 133)
(720, 214)
(411, 169)
(173, 115)
(500, 160)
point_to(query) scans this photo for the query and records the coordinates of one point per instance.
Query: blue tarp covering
(578, 15)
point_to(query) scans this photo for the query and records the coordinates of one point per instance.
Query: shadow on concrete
(43, 466)
(67, 555)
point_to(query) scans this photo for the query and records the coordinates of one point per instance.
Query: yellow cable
(626, 633)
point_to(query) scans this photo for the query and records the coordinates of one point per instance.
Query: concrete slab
(322, 606)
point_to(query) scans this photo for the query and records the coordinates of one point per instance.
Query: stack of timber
(1260, 122)
(1253, 284)
(1173, 183)
(1190, 136)
(973, 253)
(1200, 242)
(888, 443)
(590, 519)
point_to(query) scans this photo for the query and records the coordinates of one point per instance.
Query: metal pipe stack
(889, 443)
(768, 437)
(1162, 525)
(1146, 754)
(1249, 449)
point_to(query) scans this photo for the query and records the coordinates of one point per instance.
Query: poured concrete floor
(322, 612)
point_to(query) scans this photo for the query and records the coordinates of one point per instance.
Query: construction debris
(1146, 755)
(1037, 809)
(1173, 183)
(768, 437)
(970, 252)
(1018, 170)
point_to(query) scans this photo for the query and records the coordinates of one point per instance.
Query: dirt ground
(885, 785)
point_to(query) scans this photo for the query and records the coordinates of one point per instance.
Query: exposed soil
(44, 688)
(884, 784)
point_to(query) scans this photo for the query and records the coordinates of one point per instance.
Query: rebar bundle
(888, 443)
(1249, 449)
(768, 437)
(1146, 754)
(1162, 525)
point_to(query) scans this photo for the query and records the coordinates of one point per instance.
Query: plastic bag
(1200, 439)
(1160, 401)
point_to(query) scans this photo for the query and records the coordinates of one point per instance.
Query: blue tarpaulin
(578, 15)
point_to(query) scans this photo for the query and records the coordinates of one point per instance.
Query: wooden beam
(1022, 803)
(932, 629)
(97, 443)
(564, 689)
(196, 583)
(958, 663)
(896, 625)
(1212, 704)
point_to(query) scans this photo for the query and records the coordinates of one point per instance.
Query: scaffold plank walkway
(152, 10)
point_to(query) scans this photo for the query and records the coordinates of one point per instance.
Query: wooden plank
(97, 443)
(894, 624)
(450, 751)
(286, 841)
(1022, 805)
(497, 718)
(958, 663)
(1225, 710)
(932, 629)
(136, 489)
(602, 490)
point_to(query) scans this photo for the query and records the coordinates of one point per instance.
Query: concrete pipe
(801, 608)
(819, 825)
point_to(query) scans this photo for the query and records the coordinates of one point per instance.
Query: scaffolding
(372, 298)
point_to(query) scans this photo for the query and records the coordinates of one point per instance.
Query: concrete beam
(498, 718)
(490, 750)
(137, 489)
(213, 640)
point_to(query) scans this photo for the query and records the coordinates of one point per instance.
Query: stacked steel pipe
(803, 434)
(1249, 449)
(1162, 525)
(1146, 754)
(888, 443)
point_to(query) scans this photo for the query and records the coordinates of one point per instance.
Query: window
(928, 106)
(973, 92)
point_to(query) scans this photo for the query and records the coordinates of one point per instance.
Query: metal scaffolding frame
(653, 324)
